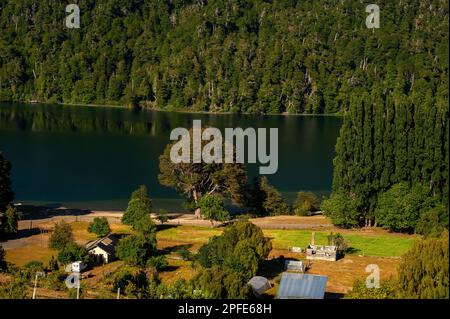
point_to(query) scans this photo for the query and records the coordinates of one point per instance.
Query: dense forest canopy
(212, 55)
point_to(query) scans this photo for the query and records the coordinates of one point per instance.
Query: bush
(433, 222)
(54, 281)
(31, 268)
(134, 250)
(212, 208)
(99, 226)
(61, 236)
(338, 241)
(387, 290)
(306, 203)
(133, 282)
(15, 289)
(73, 252)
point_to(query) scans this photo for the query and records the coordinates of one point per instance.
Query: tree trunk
(197, 209)
(197, 213)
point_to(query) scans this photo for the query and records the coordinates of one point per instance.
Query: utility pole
(118, 293)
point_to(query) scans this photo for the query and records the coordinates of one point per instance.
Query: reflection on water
(93, 157)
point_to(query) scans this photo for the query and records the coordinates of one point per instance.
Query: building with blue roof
(301, 286)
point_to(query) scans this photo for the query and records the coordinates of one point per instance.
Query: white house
(102, 249)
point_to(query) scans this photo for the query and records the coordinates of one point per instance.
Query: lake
(94, 157)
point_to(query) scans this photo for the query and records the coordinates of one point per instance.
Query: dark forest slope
(240, 56)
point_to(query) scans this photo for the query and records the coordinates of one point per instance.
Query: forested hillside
(213, 55)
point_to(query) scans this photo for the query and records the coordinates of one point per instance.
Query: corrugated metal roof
(302, 286)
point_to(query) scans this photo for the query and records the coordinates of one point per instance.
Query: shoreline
(182, 111)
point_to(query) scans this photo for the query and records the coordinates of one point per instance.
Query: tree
(212, 208)
(306, 203)
(134, 250)
(72, 252)
(400, 207)
(240, 248)
(139, 207)
(342, 209)
(6, 193)
(99, 226)
(10, 220)
(61, 236)
(3, 263)
(195, 180)
(267, 199)
(423, 272)
(218, 283)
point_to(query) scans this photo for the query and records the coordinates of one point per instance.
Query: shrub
(212, 208)
(134, 250)
(73, 252)
(99, 226)
(387, 290)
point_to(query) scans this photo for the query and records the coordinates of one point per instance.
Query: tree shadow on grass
(271, 268)
(160, 227)
(33, 212)
(23, 233)
(173, 249)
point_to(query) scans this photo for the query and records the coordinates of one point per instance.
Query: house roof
(302, 286)
(108, 244)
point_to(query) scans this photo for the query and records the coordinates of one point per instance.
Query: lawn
(380, 245)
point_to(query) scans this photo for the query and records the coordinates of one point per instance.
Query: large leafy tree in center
(195, 180)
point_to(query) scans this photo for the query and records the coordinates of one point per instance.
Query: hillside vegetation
(238, 56)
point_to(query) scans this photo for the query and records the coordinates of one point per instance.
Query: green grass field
(378, 245)
(364, 244)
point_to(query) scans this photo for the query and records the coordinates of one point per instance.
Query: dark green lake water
(93, 157)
